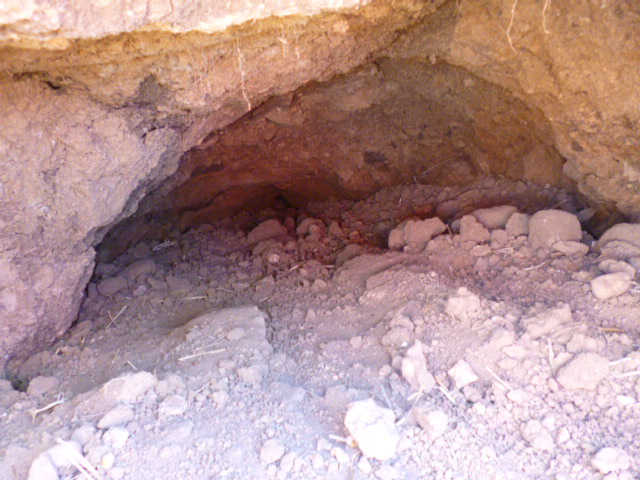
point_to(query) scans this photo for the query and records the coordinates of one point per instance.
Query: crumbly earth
(236, 352)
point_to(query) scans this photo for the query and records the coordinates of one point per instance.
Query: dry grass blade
(200, 297)
(81, 463)
(445, 391)
(498, 379)
(628, 374)
(209, 352)
(49, 406)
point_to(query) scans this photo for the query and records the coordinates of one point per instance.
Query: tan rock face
(192, 112)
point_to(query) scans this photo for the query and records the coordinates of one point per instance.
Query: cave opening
(382, 242)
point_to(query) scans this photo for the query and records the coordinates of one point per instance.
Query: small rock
(495, 217)
(128, 388)
(611, 459)
(463, 306)
(43, 469)
(547, 227)
(415, 233)
(610, 285)
(472, 231)
(462, 374)
(373, 428)
(397, 337)
(622, 232)
(118, 416)
(61, 456)
(251, 374)
(83, 434)
(173, 405)
(583, 372)
(548, 321)
(537, 436)
(616, 266)
(116, 437)
(414, 369)
(387, 472)
(570, 248)
(272, 451)
(518, 224)
(110, 286)
(433, 422)
(265, 231)
(364, 465)
(41, 385)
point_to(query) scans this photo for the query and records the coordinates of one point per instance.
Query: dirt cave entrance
(349, 339)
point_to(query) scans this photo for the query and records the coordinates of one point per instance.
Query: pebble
(571, 248)
(610, 285)
(433, 422)
(462, 306)
(518, 224)
(173, 405)
(61, 456)
(495, 217)
(472, 231)
(110, 286)
(537, 436)
(584, 371)
(267, 230)
(119, 415)
(251, 374)
(42, 469)
(415, 370)
(373, 428)
(547, 227)
(41, 385)
(610, 459)
(462, 374)
(116, 437)
(415, 233)
(624, 232)
(272, 451)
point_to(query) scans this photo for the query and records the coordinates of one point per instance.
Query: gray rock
(518, 224)
(118, 416)
(61, 456)
(415, 370)
(583, 372)
(625, 232)
(41, 385)
(610, 285)
(110, 286)
(547, 227)
(433, 422)
(537, 436)
(266, 230)
(272, 451)
(415, 233)
(610, 459)
(472, 231)
(43, 469)
(373, 428)
(495, 217)
(571, 248)
(173, 405)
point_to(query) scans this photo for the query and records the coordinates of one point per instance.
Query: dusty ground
(235, 352)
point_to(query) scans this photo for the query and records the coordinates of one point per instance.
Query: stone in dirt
(173, 405)
(272, 451)
(433, 422)
(110, 286)
(518, 224)
(462, 374)
(495, 217)
(127, 388)
(610, 459)
(41, 385)
(623, 232)
(537, 436)
(571, 248)
(60, 454)
(610, 285)
(472, 231)
(414, 369)
(43, 469)
(266, 230)
(547, 227)
(463, 305)
(548, 321)
(584, 372)
(118, 416)
(373, 428)
(415, 233)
